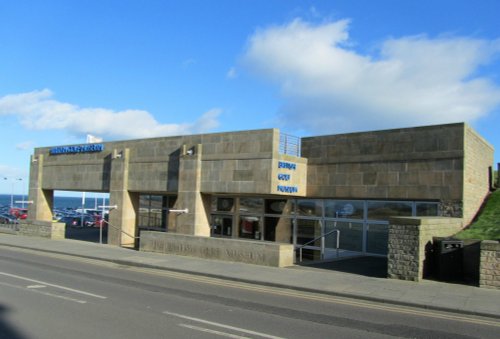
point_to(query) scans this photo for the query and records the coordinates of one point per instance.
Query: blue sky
(134, 69)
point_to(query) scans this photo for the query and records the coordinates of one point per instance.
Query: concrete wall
(489, 270)
(250, 252)
(410, 239)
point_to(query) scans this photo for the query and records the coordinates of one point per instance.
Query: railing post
(338, 242)
(322, 254)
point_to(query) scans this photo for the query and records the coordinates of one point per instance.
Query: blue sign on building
(88, 148)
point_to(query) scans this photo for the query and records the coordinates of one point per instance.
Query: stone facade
(189, 167)
(445, 163)
(409, 241)
(478, 156)
(489, 271)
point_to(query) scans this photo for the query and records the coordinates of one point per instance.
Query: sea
(60, 202)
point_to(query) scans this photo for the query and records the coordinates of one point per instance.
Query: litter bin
(448, 259)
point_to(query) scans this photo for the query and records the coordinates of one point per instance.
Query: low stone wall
(410, 238)
(489, 269)
(9, 228)
(251, 252)
(43, 229)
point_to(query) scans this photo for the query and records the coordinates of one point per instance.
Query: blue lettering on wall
(287, 189)
(287, 165)
(282, 176)
(89, 148)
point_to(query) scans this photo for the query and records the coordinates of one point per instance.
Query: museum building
(330, 195)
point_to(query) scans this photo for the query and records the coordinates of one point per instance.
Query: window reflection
(222, 225)
(425, 209)
(251, 205)
(349, 209)
(383, 210)
(309, 207)
(249, 227)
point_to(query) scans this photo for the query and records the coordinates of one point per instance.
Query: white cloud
(232, 73)
(27, 145)
(38, 111)
(329, 87)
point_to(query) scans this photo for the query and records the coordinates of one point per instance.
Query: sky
(130, 69)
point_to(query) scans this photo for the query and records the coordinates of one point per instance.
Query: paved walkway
(427, 294)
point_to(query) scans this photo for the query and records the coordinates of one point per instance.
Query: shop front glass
(377, 238)
(222, 226)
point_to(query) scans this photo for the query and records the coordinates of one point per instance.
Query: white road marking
(36, 286)
(264, 335)
(207, 330)
(53, 285)
(45, 293)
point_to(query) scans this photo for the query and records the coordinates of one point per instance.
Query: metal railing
(116, 228)
(322, 246)
(289, 145)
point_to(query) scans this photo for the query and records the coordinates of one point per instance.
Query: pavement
(426, 294)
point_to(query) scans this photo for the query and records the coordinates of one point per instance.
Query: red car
(19, 213)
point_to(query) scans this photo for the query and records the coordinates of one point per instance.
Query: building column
(42, 201)
(196, 220)
(122, 228)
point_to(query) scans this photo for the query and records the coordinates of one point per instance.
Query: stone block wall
(42, 229)
(409, 240)
(423, 163)
(489, 269)
(478, 158)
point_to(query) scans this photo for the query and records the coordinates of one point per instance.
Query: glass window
(152, 214)
(349, 209)
(309, 207)
(377, 237)
(278, 206)
(427, 209)
(382, 210)
(308, 230)
(251, 205)
(222, 204)
(249, 227)
(222, 226)
(351, 234)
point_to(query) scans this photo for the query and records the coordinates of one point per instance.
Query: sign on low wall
(251, 252)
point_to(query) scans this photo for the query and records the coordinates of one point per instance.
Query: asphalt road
(53, 296)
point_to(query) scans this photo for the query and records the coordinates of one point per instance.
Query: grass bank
(487, 224)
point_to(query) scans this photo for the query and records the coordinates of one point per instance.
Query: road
(54, 296)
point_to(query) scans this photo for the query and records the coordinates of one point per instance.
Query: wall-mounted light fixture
(117, 154)
(178, 211)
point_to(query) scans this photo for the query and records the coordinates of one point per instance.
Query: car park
(8, 219)
(76, 221)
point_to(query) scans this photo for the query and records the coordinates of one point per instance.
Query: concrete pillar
(122, 220)
(42, 200)
(196, 220)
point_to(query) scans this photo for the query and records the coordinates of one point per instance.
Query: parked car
(8, 219)
(19, 213)
(76, 221)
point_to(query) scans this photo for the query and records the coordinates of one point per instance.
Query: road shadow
(367, 266)
(6, 330)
